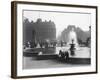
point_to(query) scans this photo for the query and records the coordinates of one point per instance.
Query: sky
(61, 19)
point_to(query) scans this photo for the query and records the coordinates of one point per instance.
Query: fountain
(72, 48)
(72, 41)
(73, 52)
(72, 38)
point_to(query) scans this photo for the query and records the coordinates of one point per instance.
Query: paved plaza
(31, 62)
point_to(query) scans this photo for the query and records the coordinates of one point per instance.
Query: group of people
(43, 44)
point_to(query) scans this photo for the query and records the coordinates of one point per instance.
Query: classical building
(82, 36)
(38, 31)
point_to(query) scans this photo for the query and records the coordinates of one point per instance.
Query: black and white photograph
(53, 39)
(56, 39)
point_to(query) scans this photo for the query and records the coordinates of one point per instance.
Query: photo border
(14, 37)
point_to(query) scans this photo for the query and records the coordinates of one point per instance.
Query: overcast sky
(61, 20)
